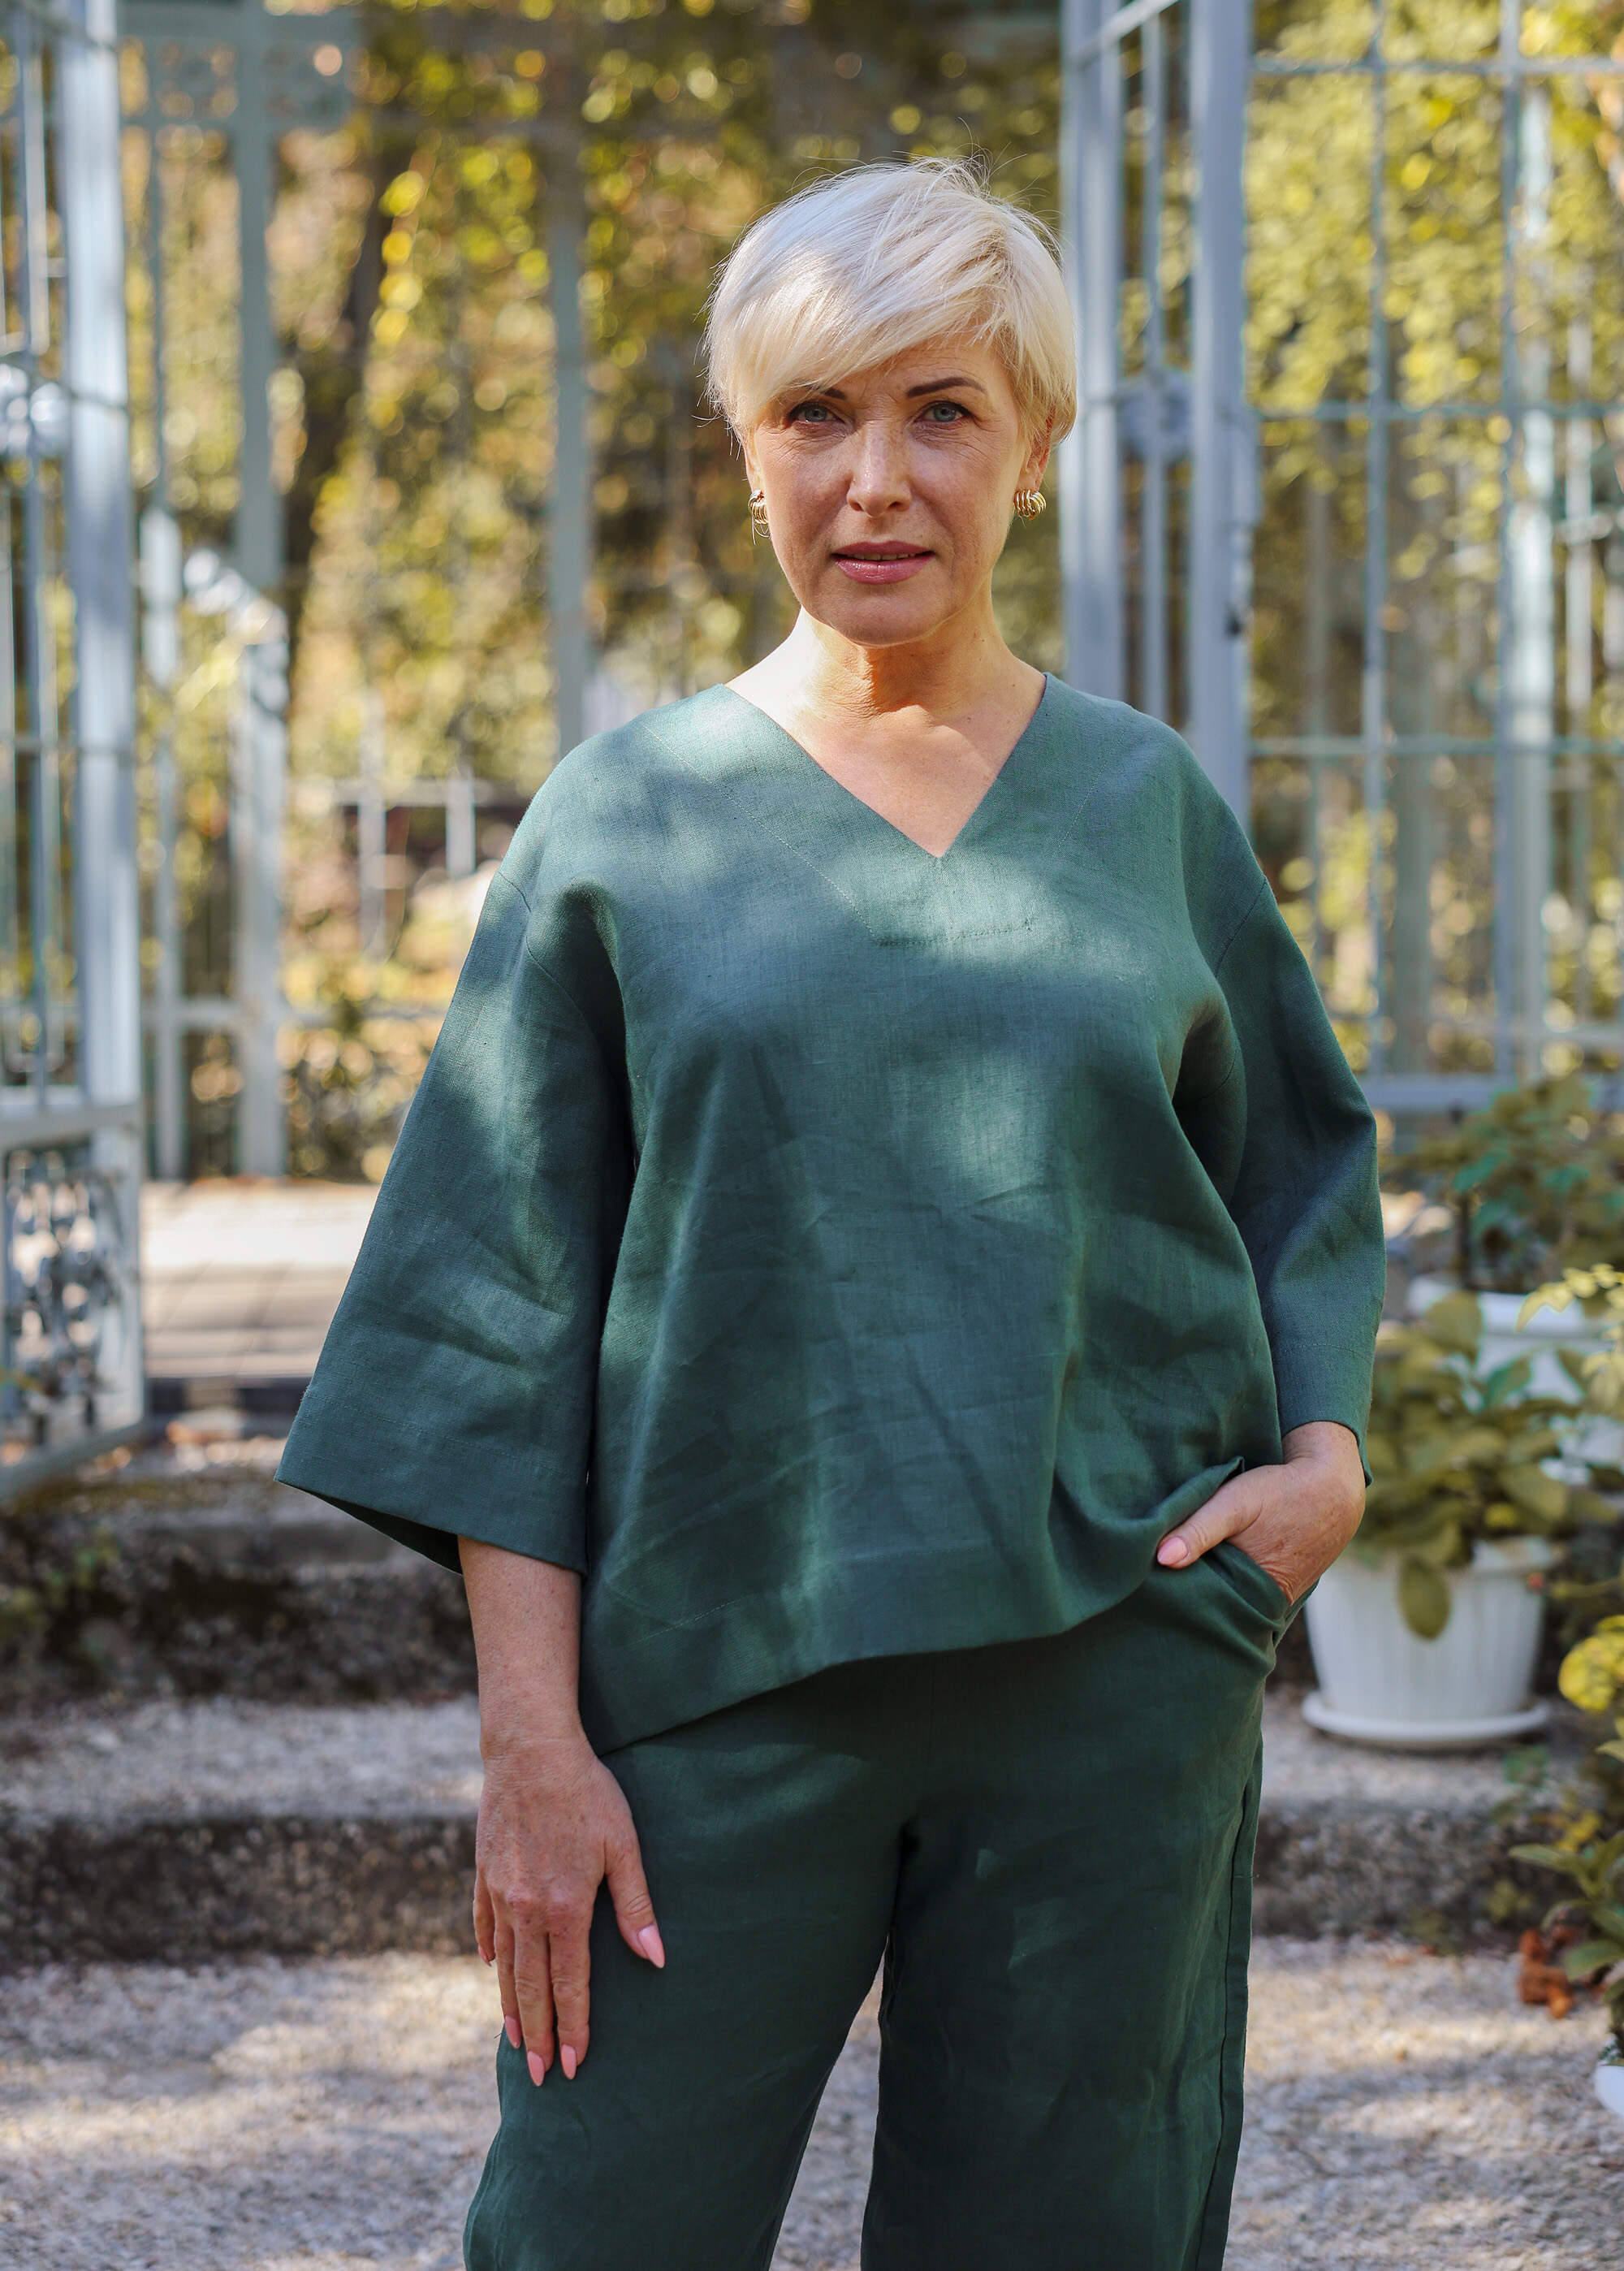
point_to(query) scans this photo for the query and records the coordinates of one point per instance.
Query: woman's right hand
(553, 1825)
(553, 1822)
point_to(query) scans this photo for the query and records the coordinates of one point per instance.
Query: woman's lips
(883, 568)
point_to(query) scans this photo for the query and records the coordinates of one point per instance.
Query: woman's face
(889, 496)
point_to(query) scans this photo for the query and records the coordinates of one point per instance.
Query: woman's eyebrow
(937, 386)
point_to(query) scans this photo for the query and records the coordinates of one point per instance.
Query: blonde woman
(877, 1288)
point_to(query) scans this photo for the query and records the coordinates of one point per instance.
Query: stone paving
(240, 1276)
(1406, 2114)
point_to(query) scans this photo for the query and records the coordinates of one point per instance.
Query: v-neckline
(850, 797)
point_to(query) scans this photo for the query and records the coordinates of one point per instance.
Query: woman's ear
(1037, 458)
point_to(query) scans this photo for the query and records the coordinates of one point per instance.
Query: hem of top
(608, 1732)
(415, 1531)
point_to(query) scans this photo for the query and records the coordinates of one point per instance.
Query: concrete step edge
(203, 1886)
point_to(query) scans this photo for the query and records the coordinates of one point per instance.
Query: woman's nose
(880, 476)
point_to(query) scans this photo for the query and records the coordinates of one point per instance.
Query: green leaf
(1455, 1323)
(1507, 1380)
(1551, 1857)
(1537, 1494)
(1593, 1672)
(1572, 1362)
(1423, 1598)
(1380, 1455)
(1545, 1297)
(1589, 1955)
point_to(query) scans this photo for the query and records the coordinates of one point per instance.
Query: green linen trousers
(1048, 1841)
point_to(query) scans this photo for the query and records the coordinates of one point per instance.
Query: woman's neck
(962, 669)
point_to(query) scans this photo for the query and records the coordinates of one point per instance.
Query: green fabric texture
(1051, 1842)
(833, 1251)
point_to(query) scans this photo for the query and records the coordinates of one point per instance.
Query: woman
(878, 1287)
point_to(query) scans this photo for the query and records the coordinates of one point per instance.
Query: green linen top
(832, 1250)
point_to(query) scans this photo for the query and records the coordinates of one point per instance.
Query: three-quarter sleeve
(1291, 1143)
(455, 1392)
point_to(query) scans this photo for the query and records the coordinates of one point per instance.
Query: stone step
(183, 1832)
(221, 1580)
(202, 1575)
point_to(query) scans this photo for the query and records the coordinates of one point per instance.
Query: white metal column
(100, 557)
(1090, 462)
(1223, 474)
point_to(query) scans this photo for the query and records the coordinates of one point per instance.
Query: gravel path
(1407, 2114)
(180, 1760)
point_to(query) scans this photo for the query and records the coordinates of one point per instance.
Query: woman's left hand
(1293, 1520)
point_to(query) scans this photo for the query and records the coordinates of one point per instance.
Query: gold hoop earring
(1030, 502)
(758, 513)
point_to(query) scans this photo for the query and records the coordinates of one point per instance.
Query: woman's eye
(944, 413)
(809, 412)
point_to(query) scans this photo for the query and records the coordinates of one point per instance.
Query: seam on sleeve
(1241, 922)
(1205, 1095)
(615, 1071)
(535, 960)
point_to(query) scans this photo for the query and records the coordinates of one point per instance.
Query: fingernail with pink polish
(538, 2072)
(512, 2029)
(648, 1939)
(1172, 1553)
(566, 2059)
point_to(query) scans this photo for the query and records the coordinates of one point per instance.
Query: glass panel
(202, 337)
(1438, 836)
(212, 1083)
(1154, 534)
(1445, 489)
(1570, 242)
(1573, 27)
(1443, 239)
(1584, 914)
(1308, 582)
(1309, 827)
(1321, 31)
(1451, 30)
(1308, 195)
(1587, 572)
(1157, 175)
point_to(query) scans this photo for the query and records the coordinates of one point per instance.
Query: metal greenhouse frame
(1162, 475)
(70, 1108)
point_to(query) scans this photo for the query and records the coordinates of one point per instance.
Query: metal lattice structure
(1433, 762)
(1434, 726)
(250, 74)
(70, 1110)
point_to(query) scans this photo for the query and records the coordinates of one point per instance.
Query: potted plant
(1534, 1184)
(1425, 1632)
(1590, 1918)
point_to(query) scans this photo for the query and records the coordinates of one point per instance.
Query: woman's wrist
(510, 1731)
(526, 1617)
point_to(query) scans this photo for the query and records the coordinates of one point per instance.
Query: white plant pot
(1381, 1682)
(1608, 2082)
(1542, 1340)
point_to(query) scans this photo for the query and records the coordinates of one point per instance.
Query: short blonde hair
(876, 262)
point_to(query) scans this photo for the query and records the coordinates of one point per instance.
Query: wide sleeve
(454, 1395)
(1291, 1144)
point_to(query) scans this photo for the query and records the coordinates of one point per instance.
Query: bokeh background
(355, 350)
